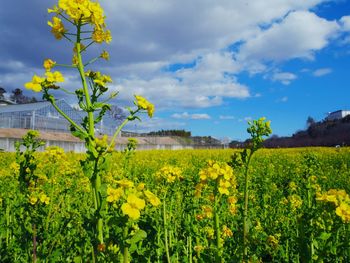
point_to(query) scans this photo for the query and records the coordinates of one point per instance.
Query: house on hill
(337, 115)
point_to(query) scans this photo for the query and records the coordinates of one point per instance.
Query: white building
(336, 115)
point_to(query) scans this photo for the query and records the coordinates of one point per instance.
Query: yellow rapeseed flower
(104, 55)
(33, 200)
(343, 210)
(152, 198)
(125, 183)
(58, 28)
(226, 232)
(224, 187)
(133, 206)
(35, 84)
(114, 195)
(49, 64)
(44, 198)
(54, 76)
(144, 104)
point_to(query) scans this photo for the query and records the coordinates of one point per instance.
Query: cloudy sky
(208, 66)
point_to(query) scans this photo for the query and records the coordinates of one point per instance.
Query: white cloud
(226, 117)
(321, 72)
(200, 116)
(154, 124)
(195, 116)
(283, 99)
(298, 35)
(345, 23)
(284, 77)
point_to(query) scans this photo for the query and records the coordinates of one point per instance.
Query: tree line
(17, 96)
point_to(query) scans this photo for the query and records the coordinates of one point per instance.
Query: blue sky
(208, 66)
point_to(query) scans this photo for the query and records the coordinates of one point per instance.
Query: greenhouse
(43, 116)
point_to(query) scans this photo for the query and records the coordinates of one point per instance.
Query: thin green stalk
(125, 249)
(65, 66)
(166, 231)
(245, 208)
(85, 86)
(218, 254)
(34, 243)
(7, 223)
(190, 249)
(117, 132)
(91, 61)
(67, 118)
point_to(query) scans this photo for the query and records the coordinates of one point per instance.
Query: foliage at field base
(294, 215)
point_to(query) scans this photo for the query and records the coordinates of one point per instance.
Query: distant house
(336, 115)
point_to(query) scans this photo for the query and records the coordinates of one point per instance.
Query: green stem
(166, 231)
(65, 66)
(117, 132)
(125, 249)
(218, 254)
(66, 117)
(34, 243)
(85, 86)
(7, 223)
(91, 61)
(245, 208)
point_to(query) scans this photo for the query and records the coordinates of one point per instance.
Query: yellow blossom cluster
(38, 83)
(133, 198)
(207, 212)
(35, 197)
(226, 232)
(222, 173)
(99, 79)
(340, 199)
(232, 201)
(273, 240)
(102, 144)
(295, 201)
(144, 104)
(169, 173)
(80, 12)
(104, 55)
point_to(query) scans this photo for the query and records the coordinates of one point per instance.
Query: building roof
(67, 137)
(25, 107)
(6, 101)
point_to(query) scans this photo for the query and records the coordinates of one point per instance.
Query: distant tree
(310, 121)
(117, 113)
(180, 133)
(2, 91)
(235, 144)
(18, 97)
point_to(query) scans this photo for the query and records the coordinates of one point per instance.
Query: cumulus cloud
(284, 77)
(298, 35)
(345, 23)
(226, 117)
(154, 124)
(151, 35)
(195, 116)
(321, 72)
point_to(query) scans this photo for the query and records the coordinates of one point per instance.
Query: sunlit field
(298, 207)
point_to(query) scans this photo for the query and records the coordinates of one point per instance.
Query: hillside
(324, 133)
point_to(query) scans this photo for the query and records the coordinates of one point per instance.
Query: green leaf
(325, 236)
(138, 236)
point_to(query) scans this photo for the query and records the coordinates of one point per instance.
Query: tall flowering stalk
(257, 130)
(86, 26)
(217, 185)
